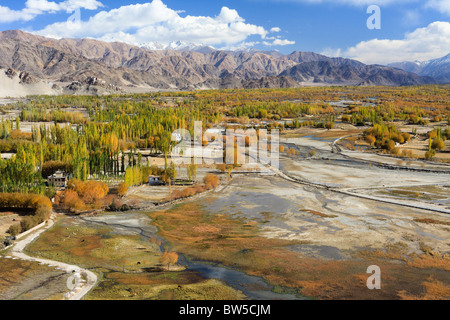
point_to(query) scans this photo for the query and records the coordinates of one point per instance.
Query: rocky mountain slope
(130, 67)
(438, 69)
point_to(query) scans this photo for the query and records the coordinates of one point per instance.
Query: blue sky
(410, 29)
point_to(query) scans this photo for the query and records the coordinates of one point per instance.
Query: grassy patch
(95, 247)
(161, 286)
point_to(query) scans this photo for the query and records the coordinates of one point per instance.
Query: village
(239, 211)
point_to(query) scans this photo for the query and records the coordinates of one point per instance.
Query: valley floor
(309, 230)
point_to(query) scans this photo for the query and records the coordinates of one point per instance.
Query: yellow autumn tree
(169, 258)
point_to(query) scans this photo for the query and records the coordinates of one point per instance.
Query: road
(86, 279)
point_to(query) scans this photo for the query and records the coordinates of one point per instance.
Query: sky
(392, 31)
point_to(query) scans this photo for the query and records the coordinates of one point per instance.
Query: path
(81, 287)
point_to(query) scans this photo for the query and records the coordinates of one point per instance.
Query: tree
(169, 258)
(370, 139)
(72, 201)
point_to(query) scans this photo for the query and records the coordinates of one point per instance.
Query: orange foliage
(169, 258)
(24, 201)
(434, 290)
(122, 189)
(90, 191)
(79, 194)
(71, 200)
(19, 135)
(211, 181)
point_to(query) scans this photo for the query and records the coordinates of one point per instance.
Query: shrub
(395, 151)
(122, 189)
(346, 118)
(390, 145)
(430, 154)
(438, 144)
(211, 181)
(437, 119)
(42, 214)
(28, 223)
(19, 135)
(14, 229)
(72, 201)
(406, 136)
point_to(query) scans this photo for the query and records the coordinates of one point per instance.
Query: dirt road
(82, 280)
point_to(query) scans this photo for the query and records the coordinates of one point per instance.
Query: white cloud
(7, 15)
(40, 6)
(442, 6)
(34, 8)
(68, 5)
(275, 29)
(229, 15)
(430, 42)
(155, 22)
(279, 42)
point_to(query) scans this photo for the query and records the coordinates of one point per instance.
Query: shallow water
(255, 288)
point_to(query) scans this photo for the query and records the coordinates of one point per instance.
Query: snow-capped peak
(175, 45)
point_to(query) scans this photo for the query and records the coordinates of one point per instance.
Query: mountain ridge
(133, 67)
(438, 68)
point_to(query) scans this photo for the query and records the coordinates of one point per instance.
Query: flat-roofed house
(58, 179)
(155, 181)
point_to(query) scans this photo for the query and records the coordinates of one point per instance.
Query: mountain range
(439, 69)
(81, 63)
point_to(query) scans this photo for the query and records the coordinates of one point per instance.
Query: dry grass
(95, 247)
(431, 221)
(165, 286)
(434, 290)
(233, 242)
(15, 271)
(433, 260)
(320, 214)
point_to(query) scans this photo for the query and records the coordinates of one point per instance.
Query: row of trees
(38, 206)
(102, 146)
(105, 143)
